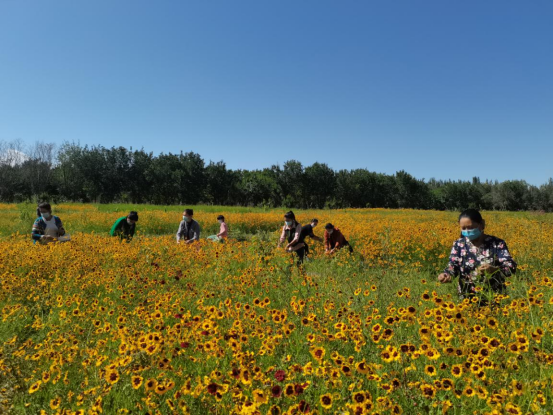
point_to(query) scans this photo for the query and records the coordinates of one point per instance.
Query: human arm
(223, 230)
(59, 224)
(117, 227)
(297, 236)
(504, 261)
(452, 270)
(37, 231)
(282, 236)
(327, 241)
(180, 231)
(195, 233)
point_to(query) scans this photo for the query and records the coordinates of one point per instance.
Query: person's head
(314, 222)
(220, 218)
(289, 218)
(471, 223)
(329, 227)
(132, 217)
(187, 215)
(45, 210)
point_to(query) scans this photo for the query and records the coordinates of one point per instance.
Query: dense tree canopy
(117, 174)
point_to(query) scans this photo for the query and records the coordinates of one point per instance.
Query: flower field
(151, 327)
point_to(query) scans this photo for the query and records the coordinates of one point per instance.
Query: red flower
(212, 388)
(205, 333)
(280, 375)
(276, 391)
(298, 389)
(184, 345)
(304, 407)
(178, 315)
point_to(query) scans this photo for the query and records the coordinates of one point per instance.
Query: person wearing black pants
(291, 232)
(306, 231)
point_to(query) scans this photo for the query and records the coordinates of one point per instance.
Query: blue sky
(444, 89)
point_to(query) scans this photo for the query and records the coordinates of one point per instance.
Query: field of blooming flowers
(151, 327)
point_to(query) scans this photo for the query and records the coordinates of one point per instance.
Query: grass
(82, 318)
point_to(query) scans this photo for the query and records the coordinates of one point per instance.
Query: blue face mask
(288, 223)
(46, 215)
(472, 234)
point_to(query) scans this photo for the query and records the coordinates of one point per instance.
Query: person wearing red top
(334, 239)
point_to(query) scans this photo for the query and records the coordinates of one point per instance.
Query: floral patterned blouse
(465, 259)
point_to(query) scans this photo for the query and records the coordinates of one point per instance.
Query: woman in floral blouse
(477, 258)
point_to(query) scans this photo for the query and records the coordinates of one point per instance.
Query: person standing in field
(47, 227)
(125, 226)
(291, 232)
(334, 239)
(223, 230)
(189, 229)
(477, 259)
(307, 231)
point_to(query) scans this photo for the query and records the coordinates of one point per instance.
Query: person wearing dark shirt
(291, 233)
(124, 227)
(189, 230)
(307, 231)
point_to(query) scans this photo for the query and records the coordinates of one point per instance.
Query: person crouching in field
(189, 229)
(478, 259)
(47, 227)
(307, 231)
(124, 227)
(291, 232)
(334, 239)
(223, 231)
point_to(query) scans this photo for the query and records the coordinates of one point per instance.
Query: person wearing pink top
(223, 231)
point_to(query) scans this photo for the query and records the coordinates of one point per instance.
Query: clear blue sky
(444, 89)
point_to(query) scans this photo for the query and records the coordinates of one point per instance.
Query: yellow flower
(136, 381)
(326, 401)
(35, 386)
(55, 403)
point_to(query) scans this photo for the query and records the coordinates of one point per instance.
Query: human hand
(444, 278)
(487, 269)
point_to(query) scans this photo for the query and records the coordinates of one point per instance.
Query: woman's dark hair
(44, 205)
(329, 226)
(472, 214)
(290, 215)
(314, 220)
(133, 215)
(189, 212)
(221, 217)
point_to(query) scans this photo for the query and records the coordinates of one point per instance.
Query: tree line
(74, 172)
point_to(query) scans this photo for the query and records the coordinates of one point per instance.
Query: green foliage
(107, 175)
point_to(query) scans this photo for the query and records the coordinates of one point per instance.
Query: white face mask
(330, 231)
(46, 215)
(220, 221)
(129, 221)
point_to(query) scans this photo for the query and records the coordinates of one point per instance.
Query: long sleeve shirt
(40, 226)
(123, 229)
(188, 231)
(293, 230)
(466, 258)
(334, 240)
